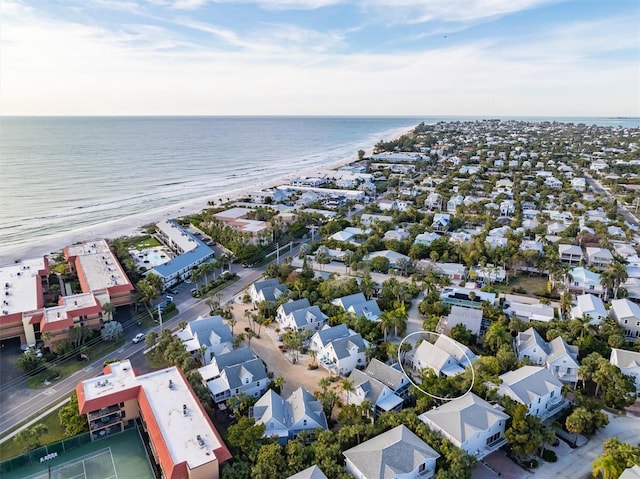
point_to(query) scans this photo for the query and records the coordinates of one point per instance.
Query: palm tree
(347, 387)
(367, 286)
(109, 309)
(619, 274)
(386, 323)
(565, 305)
(324, 383)
(232, 322)
(202, 349)
(607, 466)
(278, 382)
(313, 353)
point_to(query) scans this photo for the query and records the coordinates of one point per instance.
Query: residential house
(585, 281)
(395, 259)
(348, 235)
(299, 314)
(397, 453)
(445, 358)
(579, 184)
(285, 419)
(627, 314)
(469, 298)
(368, 219)
(530, 312)
(570, 254)
(206, 337)
(600, 258)
(387, 205)
(426, 238)
(531, 346)
(562, 360)
(182, 439)
(489, 273)
(536, 388)
(470, 423)
(266, 290)
(359, 306)
(628, 362)
(454, 202)
(433, 201)
(398, 235)
(591, 306)
(239, 370)
(453, 271)
(313, 472)
(441, 221)
(470, 318)
(384, 386)
(339, 349)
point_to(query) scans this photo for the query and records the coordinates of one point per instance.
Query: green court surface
(121, 456)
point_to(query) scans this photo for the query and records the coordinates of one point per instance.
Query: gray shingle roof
(330, 334)
(527, 383)
(231, 358)
(384, 373)
(289, 307)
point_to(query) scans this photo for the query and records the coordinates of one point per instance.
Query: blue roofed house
(585, 281)
(359, 306)
(339, 349)
(384, 386)
(285, 419)
(299, 314)
(396, 454)
(441, 221)
(190, 252)
(470, 423)
(206, 337)
(237, 371)
(266, 290)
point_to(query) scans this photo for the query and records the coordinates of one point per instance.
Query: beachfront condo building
(182, 440)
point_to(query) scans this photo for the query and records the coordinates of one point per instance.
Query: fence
(33, 457)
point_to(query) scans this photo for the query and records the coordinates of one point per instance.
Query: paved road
(20, 402)
(597, 187)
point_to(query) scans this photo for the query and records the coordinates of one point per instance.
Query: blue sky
(320, 57)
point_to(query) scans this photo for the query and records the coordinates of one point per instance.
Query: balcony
(105, 421)
(553, 409)
(103, 412)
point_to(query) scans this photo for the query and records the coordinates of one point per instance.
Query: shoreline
(132, 225)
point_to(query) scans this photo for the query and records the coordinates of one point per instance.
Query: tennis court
(119, 456)
(99, 465)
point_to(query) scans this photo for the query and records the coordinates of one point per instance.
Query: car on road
(173, 291)
(138, 337)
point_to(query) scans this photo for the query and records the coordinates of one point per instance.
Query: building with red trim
(184, 442)
(99, 270)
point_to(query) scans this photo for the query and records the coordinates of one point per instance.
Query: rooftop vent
(200, 440)
(170, 384)
(184, 409)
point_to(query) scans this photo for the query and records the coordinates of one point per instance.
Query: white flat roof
(179, 431)
(19, 286)
(100, 267)
(178, 235)
(71, 303)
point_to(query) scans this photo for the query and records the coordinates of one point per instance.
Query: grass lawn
(145, 243)
(533, 285)
(71, 365)
(55, 433)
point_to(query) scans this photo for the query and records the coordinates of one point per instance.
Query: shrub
(549, 455)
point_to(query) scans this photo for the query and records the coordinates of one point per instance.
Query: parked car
(138, 337)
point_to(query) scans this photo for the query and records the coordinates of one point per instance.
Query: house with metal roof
(313, 472)
(299, 314)
(359, 306)
(237, 371)
(585, 281)
(536, 388)
(591, 306)
(627, 314)
(382, 385)
(397, 453)
(284, 419)
(339, 349)
(470, 423)
(628, 362)
(206, 337)
(470, 318)
(266, 290)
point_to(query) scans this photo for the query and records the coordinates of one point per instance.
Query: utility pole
(160, 317)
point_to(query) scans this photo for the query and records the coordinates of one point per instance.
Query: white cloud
(59, 67)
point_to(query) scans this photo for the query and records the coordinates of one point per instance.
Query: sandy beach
(131, 225)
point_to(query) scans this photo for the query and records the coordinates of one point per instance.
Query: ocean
(59, 175)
